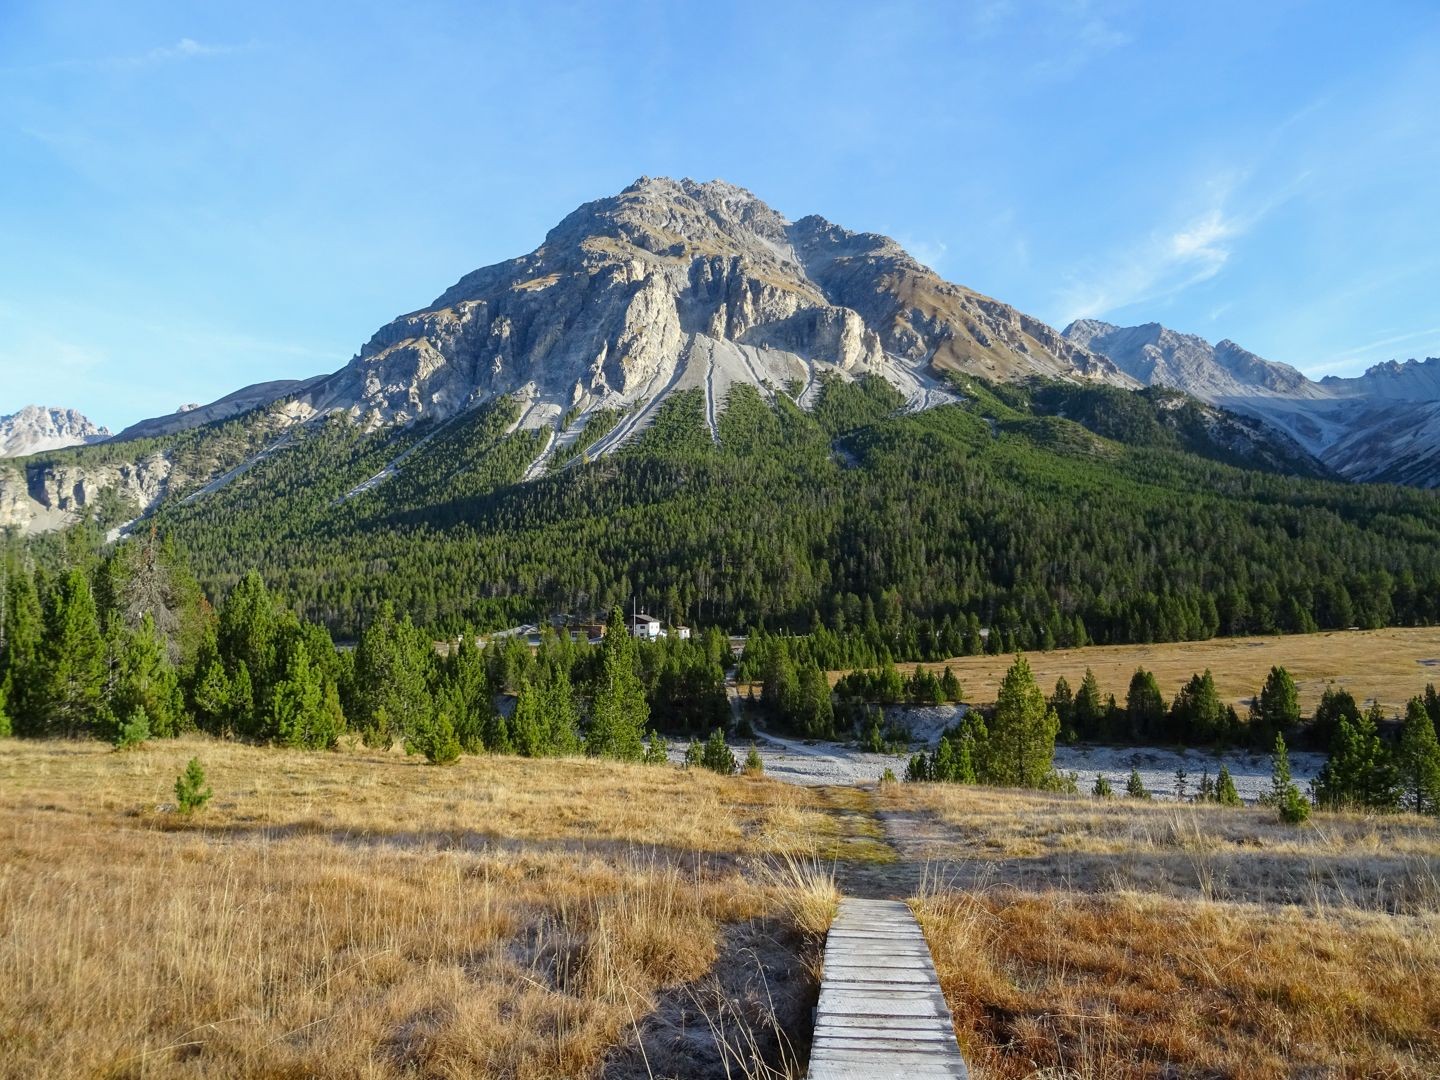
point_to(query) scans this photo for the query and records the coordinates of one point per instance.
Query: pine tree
(1090, 712)
(1144, 705)
(950, 688)
(1135, 787)
(528, 723)
(433, 735)
(1199, 714)
(1418, 760)
(619, 713)
(72, 660)
(1207, 788)
(1284, 795)
(1336, 704)
(191, 791)
(145, 682)
(1063, 702)
(1225, 793)
(1359, 771)
(1102, 788)
(1276, 710)
(24, 631)
(393, 661)
(1020, 749)
(562, 717)
(304, 708)
(1181, 781)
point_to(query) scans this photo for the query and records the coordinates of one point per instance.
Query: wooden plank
(881, 1014)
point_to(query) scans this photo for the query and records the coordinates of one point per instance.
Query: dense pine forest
(899, 533)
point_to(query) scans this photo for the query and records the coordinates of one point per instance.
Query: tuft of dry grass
(366, 915)
(1389, 666)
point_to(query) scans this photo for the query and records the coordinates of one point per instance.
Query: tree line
(124, 646)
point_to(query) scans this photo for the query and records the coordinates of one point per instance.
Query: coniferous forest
(894, 532)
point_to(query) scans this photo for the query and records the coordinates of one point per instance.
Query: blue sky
(194, 197)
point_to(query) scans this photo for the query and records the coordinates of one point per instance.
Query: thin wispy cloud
(1161, 265)
(1382, 345)
(186, 49)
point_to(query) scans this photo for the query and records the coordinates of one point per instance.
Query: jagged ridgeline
(683, 398)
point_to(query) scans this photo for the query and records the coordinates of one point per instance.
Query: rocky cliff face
(675, 284)
(35, 497)
(1381, 426)
(35, 429)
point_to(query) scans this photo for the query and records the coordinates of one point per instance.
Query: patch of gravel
(1251, 772)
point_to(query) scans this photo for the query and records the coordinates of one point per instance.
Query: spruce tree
(1418, 760)
(950, 688)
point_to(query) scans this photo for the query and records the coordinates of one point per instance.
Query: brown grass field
(1388, 666)
(1084, 939)
(364, 914)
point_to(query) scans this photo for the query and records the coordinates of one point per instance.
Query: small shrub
(191, 792)
(1225, 793)
(694, 755)
(1294, 808)
(888, 777)
(716, 756)
(436, 739)
(1135, 787)
(754, 764)
(1102, 787)
(133, 732)
(657, 750)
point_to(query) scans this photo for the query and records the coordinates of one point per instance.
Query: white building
(645, 627)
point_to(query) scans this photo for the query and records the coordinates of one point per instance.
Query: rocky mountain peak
(678, 284)
(37, 428)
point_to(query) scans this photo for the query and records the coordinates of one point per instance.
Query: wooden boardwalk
(881, 1014)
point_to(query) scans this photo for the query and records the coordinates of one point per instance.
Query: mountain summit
(674, 285)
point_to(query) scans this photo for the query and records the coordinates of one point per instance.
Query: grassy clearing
(367, 915)
(1388, 666)
(1139, 940)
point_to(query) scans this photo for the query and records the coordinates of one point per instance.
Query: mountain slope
(36, 429)
(669, 286)
(1381, 426)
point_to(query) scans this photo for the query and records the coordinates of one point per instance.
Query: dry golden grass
(1130, 939)
(1388, 666)
(365, 914)
(1129, 985)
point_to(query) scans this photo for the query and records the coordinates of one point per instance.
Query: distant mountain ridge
(36, 429)
(1383, 425)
